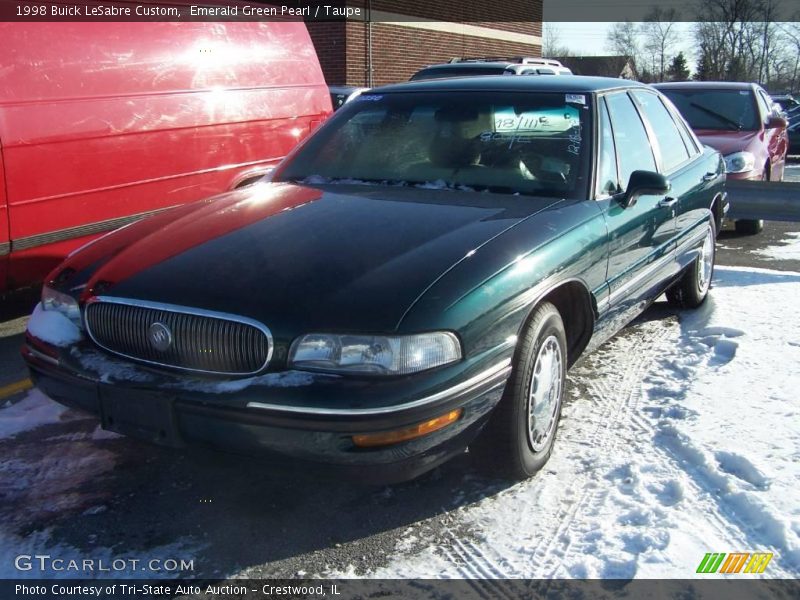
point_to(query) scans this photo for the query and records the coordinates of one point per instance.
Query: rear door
(694, 179)
(641, 237)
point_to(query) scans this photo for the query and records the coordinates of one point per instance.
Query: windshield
(527, 143)
(726, 110)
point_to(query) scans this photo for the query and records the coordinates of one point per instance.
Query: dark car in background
(741, 121)
(470, 67)
(794, 138)
(416, 278)
(786, 101)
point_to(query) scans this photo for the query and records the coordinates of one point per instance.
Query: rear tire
(747, 227)
(692, 288)
(519, 437)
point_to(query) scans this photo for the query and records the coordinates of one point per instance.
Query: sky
(589, 39)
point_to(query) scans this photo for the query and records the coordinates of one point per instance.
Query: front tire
(519, 437)
(692, 288)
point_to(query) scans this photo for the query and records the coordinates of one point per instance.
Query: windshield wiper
(719, 116)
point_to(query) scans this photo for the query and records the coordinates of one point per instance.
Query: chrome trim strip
(42, 356)
(5, 248)
(59, 235)
(188, 310)
(695, 240)
(657, 264)
(500, 369)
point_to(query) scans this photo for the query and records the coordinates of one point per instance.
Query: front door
(641, 236)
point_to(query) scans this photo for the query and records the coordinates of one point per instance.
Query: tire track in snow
(612, 378)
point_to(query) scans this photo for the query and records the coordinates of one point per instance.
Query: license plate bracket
(139, 414)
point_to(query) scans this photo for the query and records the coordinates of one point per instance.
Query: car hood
(727, 142)
(301, 258)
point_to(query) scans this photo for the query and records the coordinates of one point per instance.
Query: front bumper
(282, 417)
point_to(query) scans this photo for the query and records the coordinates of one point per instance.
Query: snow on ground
(43, 480)
(681, 437)
(789, 250)
(35, 410)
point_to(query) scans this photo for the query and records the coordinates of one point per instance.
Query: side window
(607, 177)
(683, 127)
(668, 138)
(764, 106)
(630, 138)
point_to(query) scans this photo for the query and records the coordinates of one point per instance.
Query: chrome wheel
(544, 397)
(705, 263)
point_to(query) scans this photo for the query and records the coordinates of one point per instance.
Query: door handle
(667, 202)
(709, 176)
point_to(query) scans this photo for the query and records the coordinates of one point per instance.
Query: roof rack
(521, 60)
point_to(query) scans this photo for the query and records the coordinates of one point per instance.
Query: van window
(630, 137)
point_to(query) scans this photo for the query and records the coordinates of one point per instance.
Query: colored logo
(734, 562)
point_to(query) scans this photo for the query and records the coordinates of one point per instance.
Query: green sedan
(415, 279)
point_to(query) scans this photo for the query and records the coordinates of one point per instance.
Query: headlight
(63, 303)
(386, 355)
(740, 162)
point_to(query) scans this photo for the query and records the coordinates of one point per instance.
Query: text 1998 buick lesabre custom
(415, 279)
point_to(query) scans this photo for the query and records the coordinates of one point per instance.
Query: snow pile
(33, 411)
(681, 438)
(790, 250)
(53, 327)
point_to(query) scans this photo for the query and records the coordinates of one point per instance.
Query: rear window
(526, 143)
(466, 71)
(724, 110)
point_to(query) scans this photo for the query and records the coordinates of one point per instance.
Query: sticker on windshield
(576, 99)
(368, 98)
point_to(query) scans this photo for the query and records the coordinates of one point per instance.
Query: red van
(104, 123)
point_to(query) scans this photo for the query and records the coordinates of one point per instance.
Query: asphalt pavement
(233, 513)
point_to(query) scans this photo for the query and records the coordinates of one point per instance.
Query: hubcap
(705, 263)
(544, 397)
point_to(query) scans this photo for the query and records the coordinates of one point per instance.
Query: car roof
(504, 83)
(704, 85)
(460, 66)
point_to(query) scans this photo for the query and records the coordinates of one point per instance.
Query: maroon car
(740, 121)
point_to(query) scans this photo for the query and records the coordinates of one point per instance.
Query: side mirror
(776, 122)
(644, 182)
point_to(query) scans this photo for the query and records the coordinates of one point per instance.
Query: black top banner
(460, 11)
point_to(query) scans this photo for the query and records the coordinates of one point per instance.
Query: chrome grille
(200, 341)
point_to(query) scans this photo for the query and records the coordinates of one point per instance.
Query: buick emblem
(160, 336)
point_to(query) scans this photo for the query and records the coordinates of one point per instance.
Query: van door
(5, 242)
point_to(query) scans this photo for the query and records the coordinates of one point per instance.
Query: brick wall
(399, 51)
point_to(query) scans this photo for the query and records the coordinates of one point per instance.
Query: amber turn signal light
(386, 438)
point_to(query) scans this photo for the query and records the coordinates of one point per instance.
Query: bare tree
(623, 40)
(660, 37)
(551, 42)
(736, 39)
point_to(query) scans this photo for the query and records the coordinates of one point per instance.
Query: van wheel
(519, 437)
(749, 227)
(692, 288)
